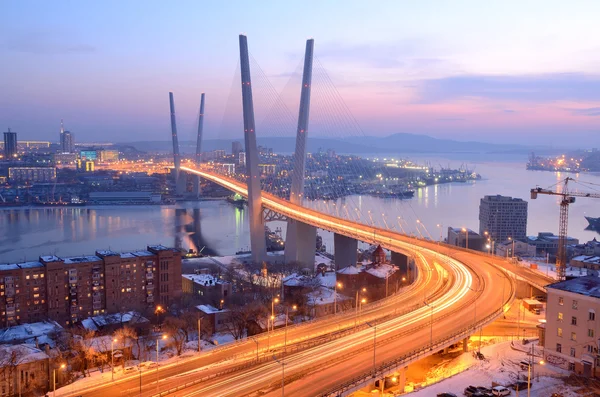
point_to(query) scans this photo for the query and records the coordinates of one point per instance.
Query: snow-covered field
(501, 365)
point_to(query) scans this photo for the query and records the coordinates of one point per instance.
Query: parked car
(470, 390)
(447, 394)
(524, 365)
(500, 391)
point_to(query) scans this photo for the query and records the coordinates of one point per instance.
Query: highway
(459, 287)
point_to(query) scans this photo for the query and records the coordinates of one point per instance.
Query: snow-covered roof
(23, 353)
(93, 323)
(81, 259)
(17, 266)
(349, 270)
(327, 280)
(9, 266)
(27, 331)
(106, 253)
(204, 279)
(127, 255)
(50, 258)
(143, 253)
(295, 280)
(587, 258)
(158, 247)
(382, 270)
(30, 265)
(588, 285)
(210, 309)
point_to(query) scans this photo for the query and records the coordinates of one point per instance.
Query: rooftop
(27, 331)
(588, 285)
(23, 353)
(204, 279)
(210, 309)
(50, 258)
(17, 266)
(587, 258)
(82, 259)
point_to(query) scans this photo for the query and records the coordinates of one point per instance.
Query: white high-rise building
(67, 142)
(503, 217)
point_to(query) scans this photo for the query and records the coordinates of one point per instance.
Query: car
(447, 394)
(524, 365)
(470, 390)
(500, 391)
(484, 390)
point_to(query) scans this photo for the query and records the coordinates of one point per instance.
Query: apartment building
(503, 217)
(68, 290)
(572, 325)
(206, 288)
(22, 293)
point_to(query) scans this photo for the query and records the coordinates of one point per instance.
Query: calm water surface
(223, 229)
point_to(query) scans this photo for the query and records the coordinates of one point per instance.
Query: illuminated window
(559, 331)
(560, 316)
(561, 300)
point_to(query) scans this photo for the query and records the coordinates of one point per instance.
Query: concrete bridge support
(466, 344)
(402, 262)
(346, 251)
(300, 244)
(258, 243)
(196, 190)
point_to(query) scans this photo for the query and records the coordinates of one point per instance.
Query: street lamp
(159, 309)
(282, 374)
(467, 237)
(431, 327)
(62, 366)
(273, 302)
(374, 326)
(358, 305)
(112, 359)
(337, 285)
(287, 313)
(475, 318)
(157, 340)
(530, 370)
(441, 230)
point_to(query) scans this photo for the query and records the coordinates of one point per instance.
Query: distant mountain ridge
(396, 143)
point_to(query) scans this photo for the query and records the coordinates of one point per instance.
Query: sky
(525, 72)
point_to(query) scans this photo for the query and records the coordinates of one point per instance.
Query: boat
(237, 200)
(401, 194)
(594, 222)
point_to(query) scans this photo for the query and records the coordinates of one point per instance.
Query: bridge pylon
(300, 244)
(179, 176)
(198, 158)
(257, 227)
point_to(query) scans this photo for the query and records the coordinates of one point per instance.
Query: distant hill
(396, 143)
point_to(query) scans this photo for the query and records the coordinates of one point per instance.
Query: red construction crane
(567, 198)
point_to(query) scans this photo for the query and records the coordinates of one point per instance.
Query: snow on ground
(501, 365)
(550, 269)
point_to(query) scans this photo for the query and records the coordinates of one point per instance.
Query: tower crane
(568, 197)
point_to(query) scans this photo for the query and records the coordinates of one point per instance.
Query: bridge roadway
(433, 283)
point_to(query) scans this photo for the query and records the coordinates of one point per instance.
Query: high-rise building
(242, 159)
(67, 141)
(236, 148)
(32, 174)
(503, 217)
(10, 144)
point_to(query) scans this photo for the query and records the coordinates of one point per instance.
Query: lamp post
(466, 236)
(112, 359)
(431, 327)
(287, 313)
(530, 370)
(199, 333)
(159, 309)
(441, 230)
(358, 304)
(62, 366)
(273, 302)
(475, 318)
(337, 285)
(374, 326)
(282, 375)
(157, 340)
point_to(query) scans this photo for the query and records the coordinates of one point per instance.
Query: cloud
(42, 43)
(586, 112)
(450, 119)
(509, 111)
(537, 88)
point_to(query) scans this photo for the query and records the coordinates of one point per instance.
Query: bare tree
(127, 336)
(238, 318)
(174, 326)
(80, 343)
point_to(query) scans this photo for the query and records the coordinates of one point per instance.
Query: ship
(594, 222)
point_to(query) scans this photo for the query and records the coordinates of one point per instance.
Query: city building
(10, 144)
(236, 148)
(39, 333)
(216, 317)
(32, 174)
(108, 155)
(67, 290)
(242, 159)
(91, 155)
(503, 217)
(377, 279)
(586, 262)
(206, 288)
(547, 243)
(26, 371)
(124, 198)
(109, 323)
(67, 141)
(592, 247)
(65, 160)
(571, 331)
(228, 168)
(23, 293)
(515, 248)
(267, 169)
(458, 236)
